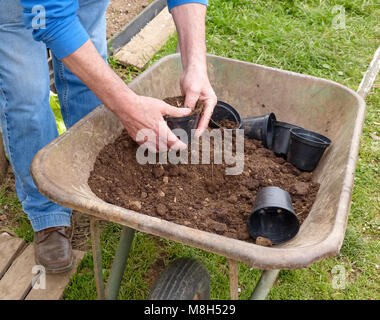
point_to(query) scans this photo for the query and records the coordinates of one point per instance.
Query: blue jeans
(28, 123)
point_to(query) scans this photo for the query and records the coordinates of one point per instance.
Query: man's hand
(196, 86)
(147, 113)
(190, 23)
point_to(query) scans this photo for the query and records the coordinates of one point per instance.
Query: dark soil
(179, 102)
(227, 124)
(198, 196)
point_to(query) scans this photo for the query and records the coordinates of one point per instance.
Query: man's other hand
(195, 85)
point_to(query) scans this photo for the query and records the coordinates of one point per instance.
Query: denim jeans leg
(75, 99)
(27, 121)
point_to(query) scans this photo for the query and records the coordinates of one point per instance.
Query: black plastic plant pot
(281, 137)
(224, 111)
(260, 128)
(186, 123)
(273, 216)
(306, 148)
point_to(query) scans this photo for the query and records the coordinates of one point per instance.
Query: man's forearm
(87, 65)
(189, 19)
(190, 23)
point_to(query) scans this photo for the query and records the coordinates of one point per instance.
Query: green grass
(296, 36)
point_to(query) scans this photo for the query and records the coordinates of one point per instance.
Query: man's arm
(189, 19)
(68, 40)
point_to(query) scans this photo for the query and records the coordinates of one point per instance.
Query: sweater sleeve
(174, 3)
(56, 23)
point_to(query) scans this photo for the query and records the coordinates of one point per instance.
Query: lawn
(298, 36)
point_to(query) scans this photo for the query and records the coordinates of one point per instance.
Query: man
(75, 31)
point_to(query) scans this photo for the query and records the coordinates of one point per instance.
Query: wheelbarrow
(61, 169)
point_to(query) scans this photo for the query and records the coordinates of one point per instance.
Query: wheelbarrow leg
(266, 282)
(97, 257)
(119, 263)
(234, 279)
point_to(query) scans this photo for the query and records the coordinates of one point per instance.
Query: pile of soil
(227, 124)
(179, 102)
(200, 196)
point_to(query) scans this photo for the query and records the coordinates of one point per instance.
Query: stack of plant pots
(302, 148)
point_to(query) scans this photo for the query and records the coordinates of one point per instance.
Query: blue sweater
(63, 32)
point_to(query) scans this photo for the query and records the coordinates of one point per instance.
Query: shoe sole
(57, 270)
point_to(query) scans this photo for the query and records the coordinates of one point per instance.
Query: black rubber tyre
(183, 279)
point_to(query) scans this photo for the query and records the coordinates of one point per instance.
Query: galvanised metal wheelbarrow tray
(61, 169)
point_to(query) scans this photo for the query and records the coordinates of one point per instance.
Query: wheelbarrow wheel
(183, 279)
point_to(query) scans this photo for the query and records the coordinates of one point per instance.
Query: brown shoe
(52, 249)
